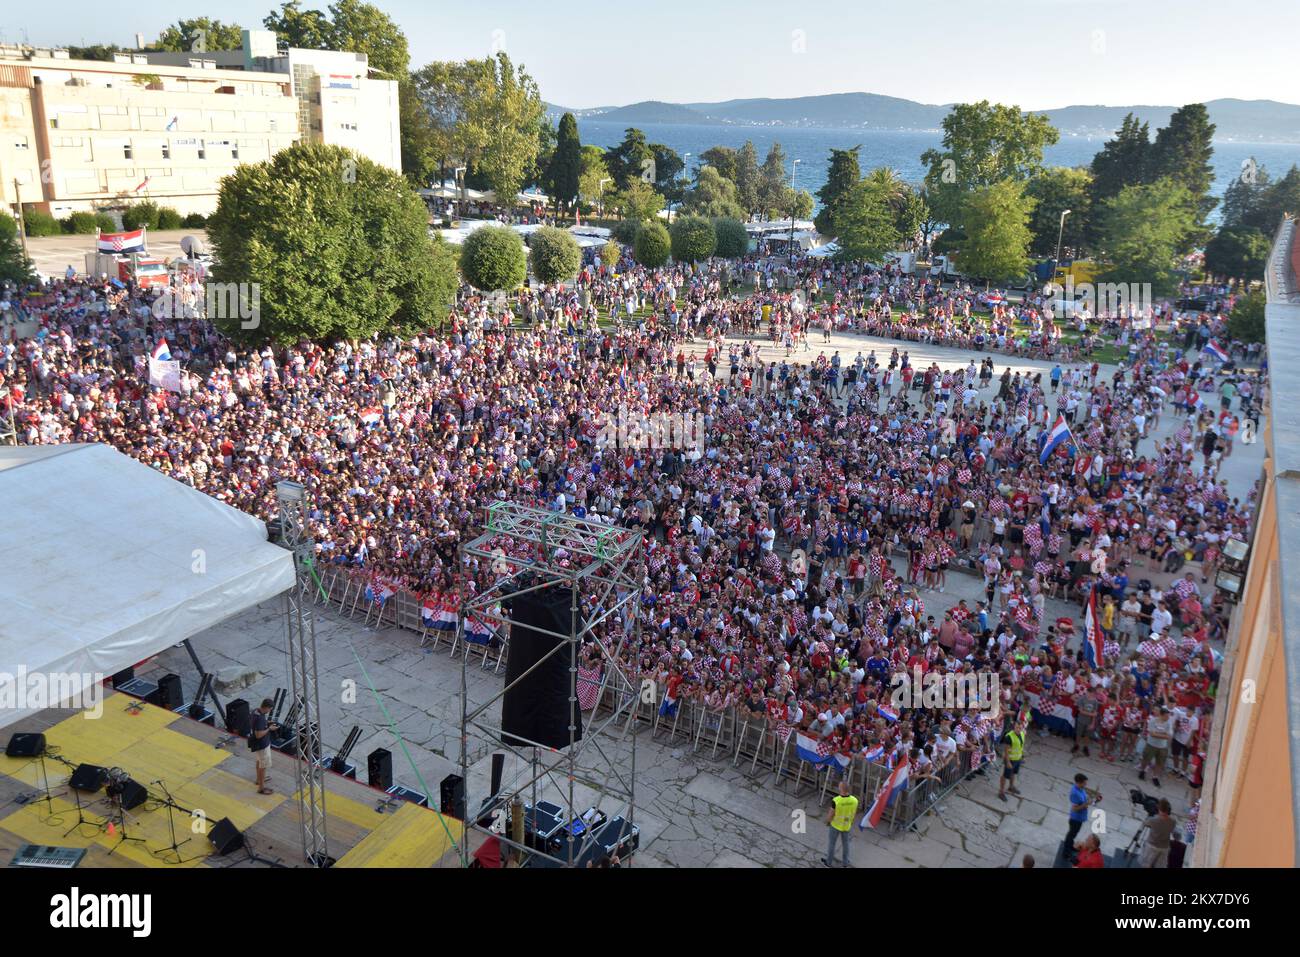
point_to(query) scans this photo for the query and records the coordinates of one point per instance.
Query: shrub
(652, 245)
(493, 258)
(625, 231)
(169, 218)
(106, 223)
(610, 254)
(733, 241)
(554, 255)
(80, 224)
(142, 214)
(693, 239)
(40, 223)
(194, 221)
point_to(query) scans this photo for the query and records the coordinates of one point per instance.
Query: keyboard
(58, 858)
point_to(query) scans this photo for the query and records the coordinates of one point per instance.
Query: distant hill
(1244, 120)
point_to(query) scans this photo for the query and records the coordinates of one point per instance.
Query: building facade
(1250, 804)
(81, 135)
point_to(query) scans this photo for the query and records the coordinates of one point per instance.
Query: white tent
(108, 562)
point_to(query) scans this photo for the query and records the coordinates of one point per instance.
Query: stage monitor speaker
(225, 837)
(379, 768)
(536, 707)
(123, 676)
(88, 777)
(237, 717)
(25, 745)
(169, 687)
(131, 794)
(451, 796)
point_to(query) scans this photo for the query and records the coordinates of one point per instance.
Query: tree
(336, 245)
(594, 180)
(1126, 160)
(639, 202)
(554, 254)
(732, 240)
(983, 144)
(996, 222)
(652, 245)
(1142, 230)
(772, 182)
(712, 195)
(295, 27)
(493, 258)
(1246, 321)
(565, 170)
(486, 113)
(1182, 153)
(864, 221)
(721, 158)
(1244, 195)
(443, 280)
(610, 254)
(668, 168)
(1055, 189)
(841, 176)
(1238, 252)
(693, 239)
(100, 51)
(747, 178)
(632, 160)
(797, 203)
(200, 34)
(420, 148)
(911, 212)
(1274, 202)
(15, 267)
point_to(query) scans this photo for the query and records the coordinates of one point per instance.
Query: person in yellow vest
(844, 807)
(1013, 752)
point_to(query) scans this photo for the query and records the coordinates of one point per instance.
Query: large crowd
(784, 558)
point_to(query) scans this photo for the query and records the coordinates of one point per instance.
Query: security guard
(1013, 752)
(844, 807)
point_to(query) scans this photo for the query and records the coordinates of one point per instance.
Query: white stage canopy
(108, 562)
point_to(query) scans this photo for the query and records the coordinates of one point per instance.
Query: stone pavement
(692, 811)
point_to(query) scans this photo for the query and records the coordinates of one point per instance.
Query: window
(234, 151)
(126, 151)
(348, 126)
(203, 154)
(166, 151)
(273, 122)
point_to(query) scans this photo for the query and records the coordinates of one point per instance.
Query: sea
(901, 149)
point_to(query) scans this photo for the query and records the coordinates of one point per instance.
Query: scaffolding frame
(589, 560)
(300, 649)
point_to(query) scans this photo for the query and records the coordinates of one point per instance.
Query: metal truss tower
(601, 568)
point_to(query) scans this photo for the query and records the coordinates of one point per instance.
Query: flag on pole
(1059, 435)
(143, 184)
(893, 786)
(1215, 351)
(1094, 645)
(127, 242)
(371, 416)
(171, 125)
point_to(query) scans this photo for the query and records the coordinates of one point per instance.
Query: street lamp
(793, 167)
(459, 174)
(1056, 263)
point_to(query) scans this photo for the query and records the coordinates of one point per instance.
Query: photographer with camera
(259, 742)
(1155, 853)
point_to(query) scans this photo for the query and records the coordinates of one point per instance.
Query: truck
(942, 267)
(144, 270)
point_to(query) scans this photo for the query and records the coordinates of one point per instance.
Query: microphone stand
(174, 848)
(81, 816)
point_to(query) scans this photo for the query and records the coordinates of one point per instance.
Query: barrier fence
(751, 743)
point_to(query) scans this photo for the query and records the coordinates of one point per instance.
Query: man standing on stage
(259, 742)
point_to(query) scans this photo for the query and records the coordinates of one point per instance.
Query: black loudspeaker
(498, 767)
(169, 687)
(379, 767)
(88, 777)
(123, 676)
(225, 837)
(237, 718)
(131, 794)
(25, 745)
(451, 796)
(536, 710)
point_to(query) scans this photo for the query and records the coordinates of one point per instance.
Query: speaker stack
(451, 796)
(536, 707)
(237, 717)
(225, 837)
(88, 778)
(379, 768)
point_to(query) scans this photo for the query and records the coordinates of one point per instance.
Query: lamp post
(460, 195)
(793, 167)
(1056, 263)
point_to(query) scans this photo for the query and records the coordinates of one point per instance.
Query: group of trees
(731, 183)
(871, 215)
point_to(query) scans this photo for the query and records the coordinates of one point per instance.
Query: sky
(1036, 54)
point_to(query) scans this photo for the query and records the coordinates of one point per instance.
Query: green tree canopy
(15, 267)
(693, 239)
(652, 245)
(565, 169)
(1246, 321)
(722, 159)
(1182, 153)
(1142, 230)
(983, 143)
(337, 245)
(747, 178)
(1055, 189)
(996, 222)
(200, 34)
(554, 254)
(610, 254)
(1238, 252)
(632, 160)
(732, 240)
(493, 258)
(594, 179)
(773, 182)
(639, 201)
(712, 195)
(841, 176)
(865, 223)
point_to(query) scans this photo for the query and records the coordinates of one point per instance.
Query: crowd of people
(786, 553)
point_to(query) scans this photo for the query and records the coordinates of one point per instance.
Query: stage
(210, 776)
